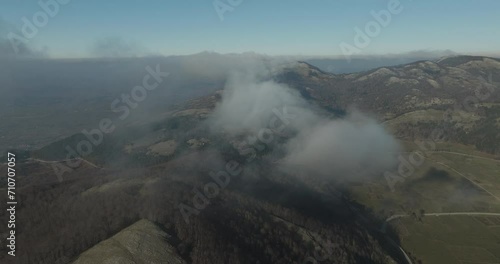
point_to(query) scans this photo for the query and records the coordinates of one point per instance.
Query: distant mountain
(413, 98)
(364, 63)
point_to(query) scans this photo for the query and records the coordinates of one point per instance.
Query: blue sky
(284, 27)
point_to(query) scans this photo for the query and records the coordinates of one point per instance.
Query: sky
(94, 28)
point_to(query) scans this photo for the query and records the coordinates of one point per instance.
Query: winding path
(59, 161)
(392, 217)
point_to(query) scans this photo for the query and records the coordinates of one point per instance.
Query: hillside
(458, 94)
(270, 212)
(264, 216)
(142, 242)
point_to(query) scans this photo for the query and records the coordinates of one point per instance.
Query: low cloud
(249, 104)
(352, 147)
(355, 146)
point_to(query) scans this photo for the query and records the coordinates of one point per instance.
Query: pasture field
(453, 178)
(451, 239)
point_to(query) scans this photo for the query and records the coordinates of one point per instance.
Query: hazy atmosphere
(244, 132)
(82, 29)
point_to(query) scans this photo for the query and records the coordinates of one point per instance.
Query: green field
(453, 178)
(451, 239)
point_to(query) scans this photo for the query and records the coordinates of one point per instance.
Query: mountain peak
(456, 60)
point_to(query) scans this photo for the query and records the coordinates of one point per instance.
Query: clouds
(353, 147)
(327, 147)
(248, 104)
